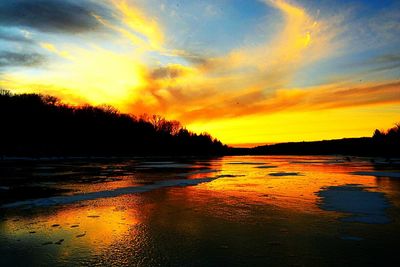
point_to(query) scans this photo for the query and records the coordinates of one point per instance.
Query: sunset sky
(245, 71)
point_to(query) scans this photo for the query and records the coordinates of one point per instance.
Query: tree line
(382, 143)
(41, 125)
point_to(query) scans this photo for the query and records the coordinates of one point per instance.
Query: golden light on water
(255, 203)
(294, 187)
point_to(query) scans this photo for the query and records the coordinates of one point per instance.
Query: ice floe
(361, 205)
(60, 200)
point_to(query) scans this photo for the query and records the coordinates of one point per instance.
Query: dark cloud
(12, 59)
(382, 63)
(196, 59)
(388, 58)
(169, 72)
(376, 64)
(13, 37)
(52, 15)
(192, 57)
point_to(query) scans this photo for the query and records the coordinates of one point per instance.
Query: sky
(245, 71)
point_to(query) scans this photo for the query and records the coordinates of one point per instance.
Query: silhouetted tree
(382, 143)
(41, 125)
(377, 134)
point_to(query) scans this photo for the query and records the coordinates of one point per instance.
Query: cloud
(171, 71)
(370, 68)
(11, 36)
(381, 28)
(15, 59)
(245, 80)
(51, 15)
(297, 100)
(116, 78)
(380, 62)
(134, 20)
(357, 95)
(248, 80)
(384, 62)
(53, 49)
(388, 58)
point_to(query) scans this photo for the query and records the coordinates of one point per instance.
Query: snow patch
(60, 200)
(361, 205)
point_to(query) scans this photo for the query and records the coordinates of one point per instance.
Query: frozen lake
(228, 211)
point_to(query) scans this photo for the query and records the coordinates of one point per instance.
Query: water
(229, 211)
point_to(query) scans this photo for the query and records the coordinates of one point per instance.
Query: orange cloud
(294, 100)
(139, 23)
(246, 81)
(239, 81)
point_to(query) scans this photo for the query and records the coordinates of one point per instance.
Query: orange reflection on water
(92, 226)
(297, 180)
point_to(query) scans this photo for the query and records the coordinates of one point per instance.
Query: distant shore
(41, 126)
(363, 146)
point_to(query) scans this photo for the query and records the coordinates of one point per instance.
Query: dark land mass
(34, 125)
(379, 145)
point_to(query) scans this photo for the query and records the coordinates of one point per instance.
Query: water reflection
(250, 183)
(244, 215)
(86, 229)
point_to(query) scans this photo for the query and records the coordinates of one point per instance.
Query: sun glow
(103, 76)
(148, 58)
(95, 76)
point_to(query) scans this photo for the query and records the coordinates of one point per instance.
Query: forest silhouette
(41, 125)
(34, 125)
(382, 143)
